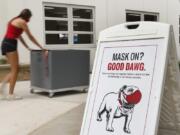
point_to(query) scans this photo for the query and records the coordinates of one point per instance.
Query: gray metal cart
(62, 70)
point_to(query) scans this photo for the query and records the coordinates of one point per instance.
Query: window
(68, 24)
(56, 38)
(82, 26)
(82, 13)
(132, 16)
(148, 17)
(60, 12)
(55, 25)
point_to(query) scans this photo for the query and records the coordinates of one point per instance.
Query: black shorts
(8, 45)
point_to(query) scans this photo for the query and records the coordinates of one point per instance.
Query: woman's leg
(13, 60)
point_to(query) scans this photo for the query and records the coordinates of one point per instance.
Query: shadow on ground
(60, 94)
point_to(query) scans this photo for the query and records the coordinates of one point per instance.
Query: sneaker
(13, 97)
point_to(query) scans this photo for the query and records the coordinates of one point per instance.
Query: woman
(15, 28)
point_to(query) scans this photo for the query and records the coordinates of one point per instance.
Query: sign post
(135, 82)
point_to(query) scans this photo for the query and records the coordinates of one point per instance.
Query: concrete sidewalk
(67, 124)
(35, 111)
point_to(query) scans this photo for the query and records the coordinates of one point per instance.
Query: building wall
(3, 15)
(108, 13)
(173, 18)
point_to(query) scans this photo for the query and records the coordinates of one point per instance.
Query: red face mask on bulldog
(134, 98)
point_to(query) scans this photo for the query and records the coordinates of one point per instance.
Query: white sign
(126, 87)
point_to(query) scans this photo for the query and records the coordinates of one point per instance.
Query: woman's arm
(31, 37)
(24, 43)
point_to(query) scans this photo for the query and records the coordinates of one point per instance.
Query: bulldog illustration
(120, 104)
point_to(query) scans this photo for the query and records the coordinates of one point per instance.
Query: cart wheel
(32, 91)
(51, 95)
(85, 90)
